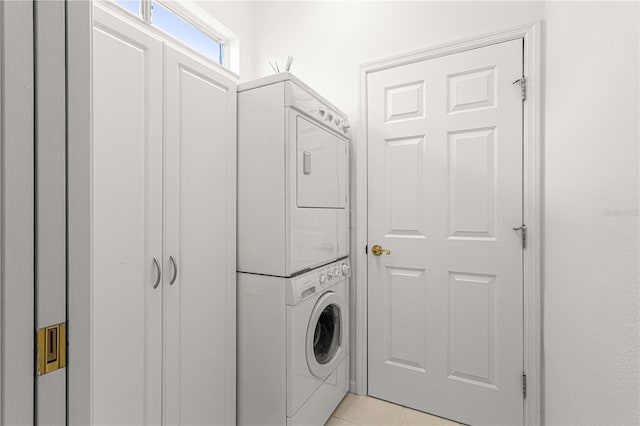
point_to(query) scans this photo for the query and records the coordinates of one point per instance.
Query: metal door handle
(523, 235)
(377, 250)
(175, 270)
(158, 273)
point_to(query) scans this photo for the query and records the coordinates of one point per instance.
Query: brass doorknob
(377, 250)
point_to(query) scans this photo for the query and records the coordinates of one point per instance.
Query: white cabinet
(126, 333)
(163, 232)
(200, 199)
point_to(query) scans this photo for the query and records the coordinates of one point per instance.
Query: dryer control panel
(317, 280)
(315, 108)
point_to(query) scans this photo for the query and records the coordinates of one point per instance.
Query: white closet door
(200, 167)
(127, 223)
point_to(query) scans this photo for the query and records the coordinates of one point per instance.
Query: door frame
(17, 218)
(532, 209)
(50, 197)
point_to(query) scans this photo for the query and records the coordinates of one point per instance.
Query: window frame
(183, 12)
(198, 25)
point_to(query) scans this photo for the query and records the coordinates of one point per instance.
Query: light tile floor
(367, 411)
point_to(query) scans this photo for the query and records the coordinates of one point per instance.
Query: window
(164, 17)
(186, 32)
(132, 6)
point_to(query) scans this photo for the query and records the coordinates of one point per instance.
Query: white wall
(237, 16)
(328, 40)
(591, 214)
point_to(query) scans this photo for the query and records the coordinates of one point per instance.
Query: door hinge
(522, 82)
(52, 348)
(524, 385)
(523, 234)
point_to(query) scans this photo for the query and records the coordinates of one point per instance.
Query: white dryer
(293, 346)
(293, 178)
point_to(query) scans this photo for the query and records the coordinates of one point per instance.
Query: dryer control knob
(329, 117)
(329, 275)
(321, 111)
(323, 278)
(335, 272)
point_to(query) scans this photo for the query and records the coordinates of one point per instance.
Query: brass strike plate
(52, 348)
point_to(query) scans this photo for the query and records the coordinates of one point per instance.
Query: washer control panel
(315, 281)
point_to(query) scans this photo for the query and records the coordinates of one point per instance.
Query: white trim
(51, 236)
(532, 175)
(79, 39)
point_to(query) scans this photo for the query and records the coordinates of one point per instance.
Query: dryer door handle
(306, 162)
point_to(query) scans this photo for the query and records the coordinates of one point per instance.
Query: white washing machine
(293, 178)
(293, 346)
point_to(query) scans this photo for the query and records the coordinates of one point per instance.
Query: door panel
(472, 328)
(200, 236)
(404, 187)
(127, 223)
(406, 342)
(445, 189)
(471, 184)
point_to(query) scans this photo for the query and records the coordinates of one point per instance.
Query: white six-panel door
(127, 224)
(444, 191)
(200, 296)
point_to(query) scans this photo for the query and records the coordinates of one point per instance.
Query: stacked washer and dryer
(293, 243)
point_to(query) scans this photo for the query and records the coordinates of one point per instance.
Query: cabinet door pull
(158, 273)
(175, 270)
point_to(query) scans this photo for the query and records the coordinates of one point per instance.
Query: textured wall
(591, 238)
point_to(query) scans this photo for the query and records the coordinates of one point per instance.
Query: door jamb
(532, 209)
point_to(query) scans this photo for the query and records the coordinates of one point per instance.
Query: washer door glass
(324, 335)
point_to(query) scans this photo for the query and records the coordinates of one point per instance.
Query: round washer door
(324, 335)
